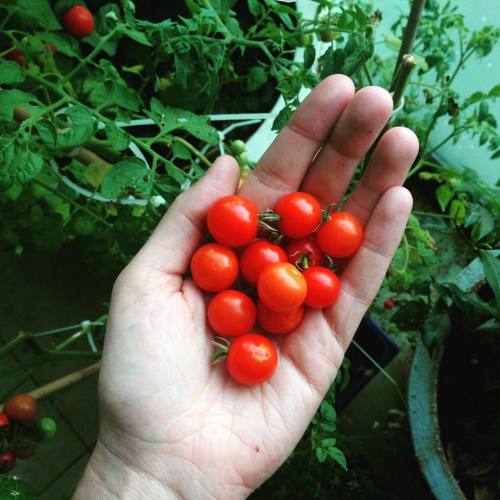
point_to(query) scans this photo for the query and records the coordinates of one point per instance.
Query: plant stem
(72, 202)
(410, 32)
(431, 214)
(12, 344)
(401, 79)
(189, 146)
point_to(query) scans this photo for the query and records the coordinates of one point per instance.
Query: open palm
(167, 415)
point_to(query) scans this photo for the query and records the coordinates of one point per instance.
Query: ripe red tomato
(231, 313)
(341, 235)
(233, 221)
(4, 424)
(281, 287)
(257, 256)
(279, 322)
(308, 247)
(252, 359)
(21, 407)
(15, 55)
(323, 287)
(79, 21)
(7, 461)
(389, 304)
(300, 214)
(214, 267)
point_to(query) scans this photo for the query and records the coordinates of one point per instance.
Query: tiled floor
(39, 293)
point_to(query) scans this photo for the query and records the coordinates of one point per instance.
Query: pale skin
(172, 425)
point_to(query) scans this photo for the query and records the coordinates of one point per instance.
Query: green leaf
(436, 329)
(495, 91)
(282, 118)
(127, 177)
(180, 151)
(65, 44)
(321, 455)
(26, 165)
(118, 138)
(169, 119)
(337, 455)
(10, 99)
(327, 411)
(174, 172)
(491, 326)
(444, 195)
(255, 7)
(309, 56)
(11, 72)
(137, 36)
(326, 443)
(40, 11)
(47, 133)
(492, 272)
(14, 488)
(257, 76)
(81, 127)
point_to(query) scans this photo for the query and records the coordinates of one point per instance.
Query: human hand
(172, 425)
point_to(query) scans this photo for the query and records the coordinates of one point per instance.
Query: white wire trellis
(241, 120)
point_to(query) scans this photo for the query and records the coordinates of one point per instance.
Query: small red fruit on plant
(308, 247)
(341, 235)
(4, 424)
(389, 304)
(15, 55)
(323, 287)
(279, 322)
(233, 221)
(252, 359)
(281, 287)
(214, 267)
(257, 256)
(21, 407)
(7, 461)
(231, 313)
(79, 21)
(300, 214)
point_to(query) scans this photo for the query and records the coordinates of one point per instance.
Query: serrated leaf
(444, 195)
(40, 11)
(169, 119)
(10, 99)
(11, 72)
(81, 127)
(65, 44)
(137, 36)
(118, 138)
(282, 118)
(338, 456)
(47, 133)
(492, 272)
(127, 177)
(180, 151)
(309, 56)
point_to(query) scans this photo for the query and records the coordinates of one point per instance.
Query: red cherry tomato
(233, 221)
(308, 247)
(79, 21)
(214, 267)
(7, 461)
(257, 256)
(323, 287)
(21, 407)
(15, 55)
(279, 322)
(252, 359)
(231, 313)
(24, 445)
(341, 235)
(4, 424)
(281, 287)
(389, 304)
(300, 214)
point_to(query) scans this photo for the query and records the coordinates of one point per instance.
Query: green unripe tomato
(83, 226)
(45, 429)
(238, 147)
(242, 159)
(327, 36)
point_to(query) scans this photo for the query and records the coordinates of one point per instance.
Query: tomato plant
(296, 250)
(21, 408)
(341, 235)
(323, 287)
(257, 256)
(231, 313)
(79, 21)
(16, 55)
(233, 220)
(252, 359)
(4, 424)
(279, 322)
(300, 214)
(281, 287)
(388, 304)
(214, 267)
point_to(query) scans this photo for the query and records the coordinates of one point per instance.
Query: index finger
(285, 163)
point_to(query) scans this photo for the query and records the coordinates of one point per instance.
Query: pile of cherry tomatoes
(266, 282)
(77, 21)
(21, 431)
